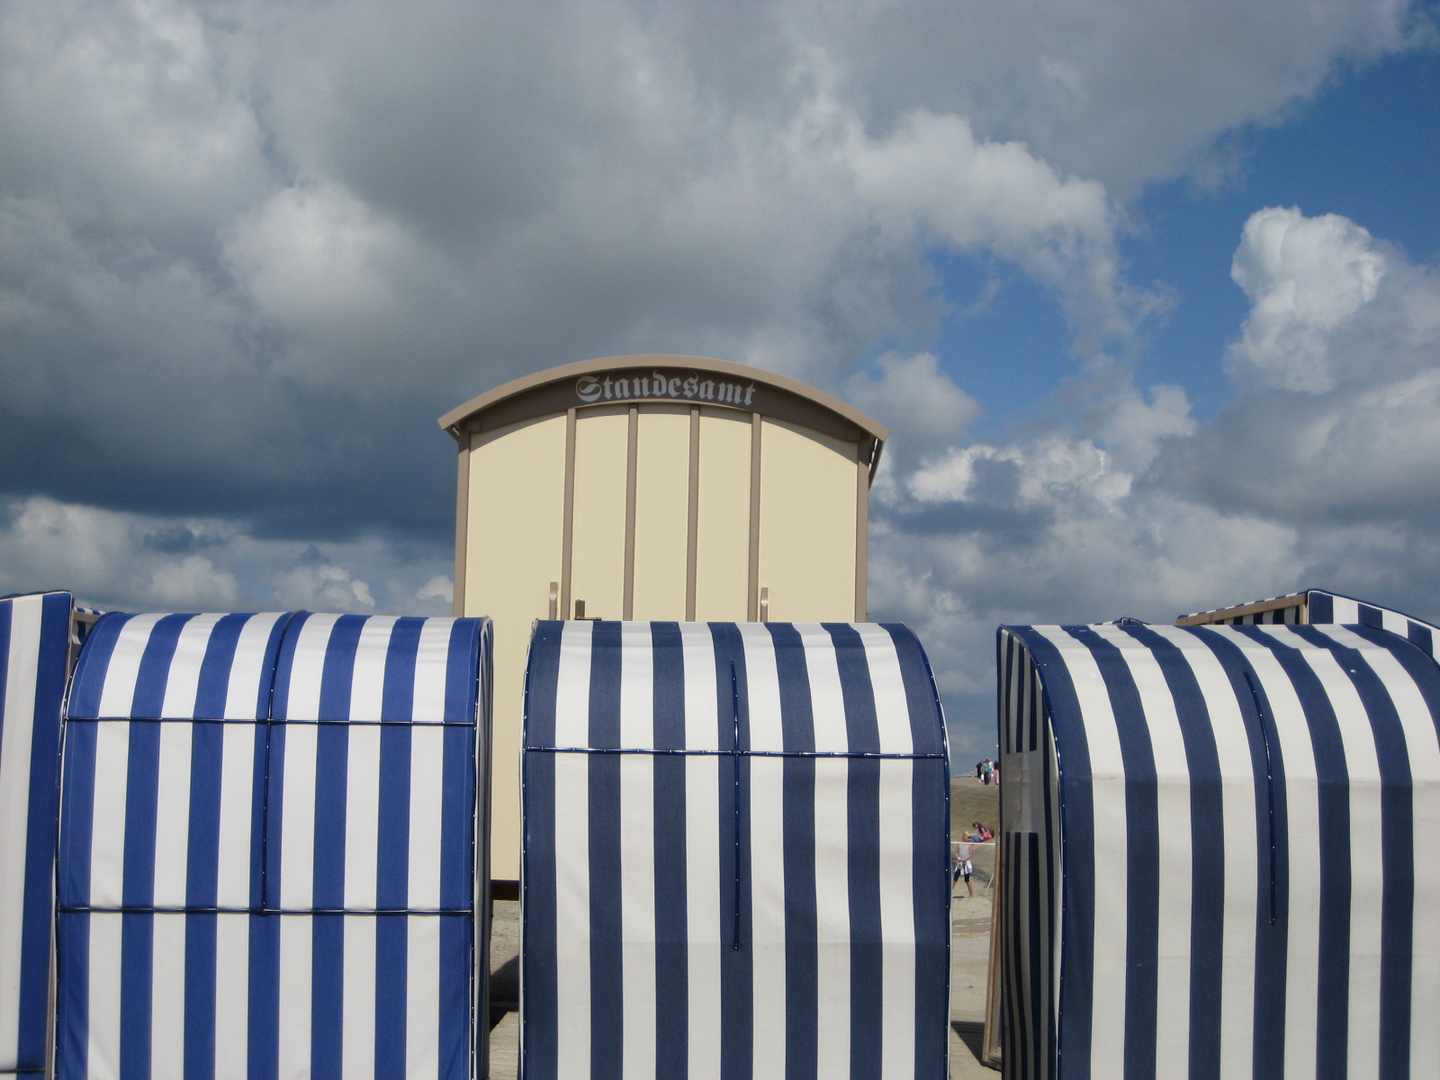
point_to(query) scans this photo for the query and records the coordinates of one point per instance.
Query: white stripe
(103, 964)
(832, 914)
(308, 668)
(1172, 773)
(296, 937)
(362, 816)
(572, 687)
(427, 769)
(1111, 835)
(422, 997)
(1235, 848)
(430, 668)
(172, 814)
(237, 781)
(183, 680)
(1424, 757)
(17, 732)
(767, 910)
(167, 996)
(762, 683)
(367, 680)
(297, 821)
(117, 695)
(248, 669)
(637, 851)
(232, 997)
(1365, 820)
(107, 836)
(572, 911)
(357, 1055)
(897, 919)
(827, 698)
(1344, 610)
(702, 715)
(892, 706)
(705, 937)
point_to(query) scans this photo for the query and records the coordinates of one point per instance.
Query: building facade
(652, 488)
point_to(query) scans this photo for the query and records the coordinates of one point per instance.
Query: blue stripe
(1333, 782)
(866, 935)
(137, 955)
(542, 676)
(214, 681)
(862, 728)
(737, 963)
(1207, 835)
(79, 814)
(1272, 854)
(141, 797)
(1077, 817)
(40, 827)
(802, 958)
(154, 672)
(1372, 616)
(930, 880)
(272, 804)
(457, 817)
(398, 696)
(797, 722)
(1397, 851)
(541, 963)
(332, 766)
(454, 975)
(327, 993)
(1419, 635)
(338, 669)
(72, 1003)
(672, 1005)
(606, 929)
(89, 682)
(200, 933)
(461, 667)
(202, 866)
(285, 663)
(926, 732)
(263, 1045)
(1142, 850)
(392, 948)
(392, 882)
(1320, 607)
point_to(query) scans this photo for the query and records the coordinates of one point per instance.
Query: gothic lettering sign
(664, 384)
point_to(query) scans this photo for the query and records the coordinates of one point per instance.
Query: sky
(1148, 293)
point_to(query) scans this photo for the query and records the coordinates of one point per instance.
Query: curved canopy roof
(688, 380)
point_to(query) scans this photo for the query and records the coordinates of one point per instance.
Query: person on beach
(960, 860)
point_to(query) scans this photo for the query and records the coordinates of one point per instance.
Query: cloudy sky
(1147, 291)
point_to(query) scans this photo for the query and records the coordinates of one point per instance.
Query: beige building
(651, 487)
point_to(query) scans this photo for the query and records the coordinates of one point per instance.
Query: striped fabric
(34, 664)
(268, 848)
(736, 856)
(1243, 887)
(1317, 607)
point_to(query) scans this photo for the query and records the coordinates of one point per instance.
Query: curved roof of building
(686, 380)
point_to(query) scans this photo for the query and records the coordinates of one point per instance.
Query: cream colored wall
(722, 548)
(807, 524)
(602, 439)
(662, 502)
(513, 552)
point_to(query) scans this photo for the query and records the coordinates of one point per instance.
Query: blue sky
(250, 252)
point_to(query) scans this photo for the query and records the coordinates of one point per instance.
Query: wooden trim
(1222, 614)
(752, 601)
(567, 535)
(692, 517)
(632, 452)
(862, 535)
(462, 524)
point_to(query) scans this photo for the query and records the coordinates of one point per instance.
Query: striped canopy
(1213, 859)
(1319, 607)
(267, 852)
(34, 664)
(736, 854)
